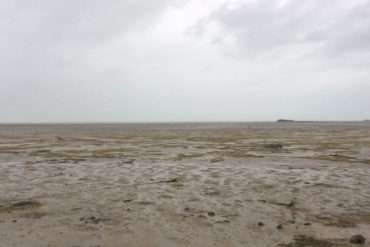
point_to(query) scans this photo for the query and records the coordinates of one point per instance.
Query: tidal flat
(185, 184)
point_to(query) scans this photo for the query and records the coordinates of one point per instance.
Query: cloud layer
(184, 60)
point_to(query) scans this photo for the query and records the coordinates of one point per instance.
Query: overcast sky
(184, 60)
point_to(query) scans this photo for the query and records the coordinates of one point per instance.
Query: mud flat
(194, 184)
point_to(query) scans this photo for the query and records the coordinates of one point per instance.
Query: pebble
(210, 213)
(357, 239)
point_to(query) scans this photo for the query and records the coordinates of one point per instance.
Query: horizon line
(173, 122)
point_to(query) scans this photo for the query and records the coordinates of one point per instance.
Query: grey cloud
(262, 26)
(45, 46)
(37, 31)
(86, 21)
(124, 61)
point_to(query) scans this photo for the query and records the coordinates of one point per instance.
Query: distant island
(284, 120)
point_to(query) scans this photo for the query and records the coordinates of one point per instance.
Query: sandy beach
(186, 184)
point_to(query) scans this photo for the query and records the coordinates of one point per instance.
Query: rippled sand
(208, 184)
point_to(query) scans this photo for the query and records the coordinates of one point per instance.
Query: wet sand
(203, 184)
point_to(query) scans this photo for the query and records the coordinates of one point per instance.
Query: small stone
(291, 204)
(279, 226)
(261, 224)
(357, 239)
(14, 221)
(307, 224)
(274, 146)
(210, 213)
